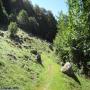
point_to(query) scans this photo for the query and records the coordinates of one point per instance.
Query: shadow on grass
(39, 61)
(73, 76)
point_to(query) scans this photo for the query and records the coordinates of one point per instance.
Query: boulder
(67, 68)
(38, 58)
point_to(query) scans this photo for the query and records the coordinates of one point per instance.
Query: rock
(62, 63)
(67, 68)
(38, 58)
(17, 39)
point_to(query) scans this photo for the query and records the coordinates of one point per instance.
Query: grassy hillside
(19, 69)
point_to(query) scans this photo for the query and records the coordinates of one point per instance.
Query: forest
(35, 45)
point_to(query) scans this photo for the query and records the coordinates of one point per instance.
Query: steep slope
(19, 68)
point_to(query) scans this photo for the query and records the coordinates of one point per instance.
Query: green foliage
(22, 17)
(12, 17)
(23, 20)
(33, 25)
(30, 24)
(73, 37)
(28, 7)
(47, 23)
(64, 38)
(13, 28)
(41, 22)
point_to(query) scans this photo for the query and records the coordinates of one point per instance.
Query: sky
(54, 5)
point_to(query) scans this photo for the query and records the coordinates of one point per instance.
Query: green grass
(53, 79)
(16, 70)
(18, 67)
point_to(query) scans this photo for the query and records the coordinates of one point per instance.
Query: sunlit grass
(53, 79)
(27, 74)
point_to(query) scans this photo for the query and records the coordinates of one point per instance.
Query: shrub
(13, 28)
(33, 25)
(12, 17)
(22, 19)
(81, 52)
(73, 43)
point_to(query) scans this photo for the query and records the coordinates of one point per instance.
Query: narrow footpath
(51, 77)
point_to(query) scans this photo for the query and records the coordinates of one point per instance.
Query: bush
(12, 17)
(23, 20)
(13, 28)
(33, 25)
(81, 52)
(73, 45)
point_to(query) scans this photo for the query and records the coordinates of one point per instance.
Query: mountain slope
(19, 68)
